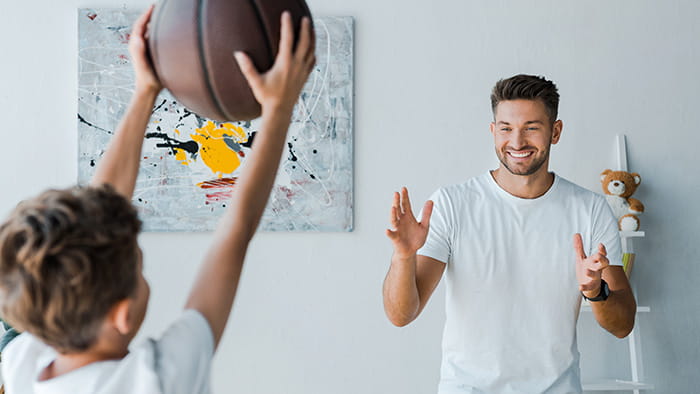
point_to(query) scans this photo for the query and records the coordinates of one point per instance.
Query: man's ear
(492, 127)
(119, 316)
(556, 131)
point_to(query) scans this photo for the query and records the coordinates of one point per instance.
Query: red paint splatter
(241, 154)
(289, 193)
(221, 183)
(123, 57)
(224, 184)
(124, 38)
(92, 16)
(219, 196)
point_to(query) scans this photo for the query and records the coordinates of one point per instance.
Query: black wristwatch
(603, 295)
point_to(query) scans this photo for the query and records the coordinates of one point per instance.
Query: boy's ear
(119, 316)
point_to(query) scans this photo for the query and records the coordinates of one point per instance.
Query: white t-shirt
(512, 293)
(178, 362)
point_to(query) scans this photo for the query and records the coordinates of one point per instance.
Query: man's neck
(524, 186)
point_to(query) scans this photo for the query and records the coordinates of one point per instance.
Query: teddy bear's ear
(637, 178)
(604, 174)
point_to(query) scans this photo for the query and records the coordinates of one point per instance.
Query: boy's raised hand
(279, 87)
(146, 77)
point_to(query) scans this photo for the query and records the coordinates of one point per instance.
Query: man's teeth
(520, 155)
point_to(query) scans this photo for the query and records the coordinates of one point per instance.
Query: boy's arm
(277, 91)
(120, 164)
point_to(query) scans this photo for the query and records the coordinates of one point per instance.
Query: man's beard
(531, 169)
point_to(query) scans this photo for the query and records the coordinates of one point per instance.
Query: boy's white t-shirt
(178, 362)
(512, 295)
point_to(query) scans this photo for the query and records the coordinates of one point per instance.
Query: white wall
(308, 317)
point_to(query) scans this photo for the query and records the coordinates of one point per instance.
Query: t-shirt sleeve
(183, 355)
(438, 245)
(605, 231)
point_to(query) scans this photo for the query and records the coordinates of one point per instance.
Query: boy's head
(67, 257)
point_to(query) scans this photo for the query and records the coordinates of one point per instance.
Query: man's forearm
(120, 164)
(401, 297)
(617, 313)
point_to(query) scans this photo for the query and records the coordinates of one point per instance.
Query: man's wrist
(591, 293)
(600, 295)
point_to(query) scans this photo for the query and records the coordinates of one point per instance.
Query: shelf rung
(632, 234)
(587, 308)
(614, 384)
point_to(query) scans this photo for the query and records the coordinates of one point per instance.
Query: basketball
(191, 43)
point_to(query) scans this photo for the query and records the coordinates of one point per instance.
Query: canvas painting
(190, 164)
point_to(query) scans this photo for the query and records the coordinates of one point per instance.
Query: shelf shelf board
(632, 234)
(587, 308)
(615, 384)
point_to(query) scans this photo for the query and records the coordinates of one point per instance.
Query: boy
(70, 265)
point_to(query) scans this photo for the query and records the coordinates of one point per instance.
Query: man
(514, 281)
(71, 268)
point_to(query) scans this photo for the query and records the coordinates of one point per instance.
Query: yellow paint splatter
(181, 156)
(216, 154)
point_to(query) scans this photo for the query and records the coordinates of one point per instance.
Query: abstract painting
(190, 164)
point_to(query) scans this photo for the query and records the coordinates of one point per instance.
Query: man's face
(523, 134)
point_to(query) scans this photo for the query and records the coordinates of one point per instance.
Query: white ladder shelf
(634, 338)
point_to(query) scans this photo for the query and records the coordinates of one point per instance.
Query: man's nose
(518, 140)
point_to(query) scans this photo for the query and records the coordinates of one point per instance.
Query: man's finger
(405, 201)
(602, 250)
(397, 202)
(427, 211)
(578, 246)
(391, 234)
(394, 218)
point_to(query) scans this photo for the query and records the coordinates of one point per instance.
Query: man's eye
(533, 128)
(505, 130)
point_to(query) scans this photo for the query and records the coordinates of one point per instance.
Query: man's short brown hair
(527, 87)
(66, 257)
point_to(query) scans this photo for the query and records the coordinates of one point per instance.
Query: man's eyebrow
(503, 122)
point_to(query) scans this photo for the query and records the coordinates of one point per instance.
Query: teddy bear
(618, 187)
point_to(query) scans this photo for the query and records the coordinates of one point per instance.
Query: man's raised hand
(407, 235)
(589, 269)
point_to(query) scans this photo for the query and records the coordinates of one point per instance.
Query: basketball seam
(153, 47)
(268, 39)
(203, 60)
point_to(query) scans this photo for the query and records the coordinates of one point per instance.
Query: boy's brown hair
(66, 257)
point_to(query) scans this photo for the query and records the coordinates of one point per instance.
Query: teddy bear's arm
(636, 206)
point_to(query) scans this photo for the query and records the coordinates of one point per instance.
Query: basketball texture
(192, 42)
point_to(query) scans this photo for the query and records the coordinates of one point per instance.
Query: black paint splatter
(82, 120)
(291, 152)
(190, 146)
(249, 143)
(159, 106)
